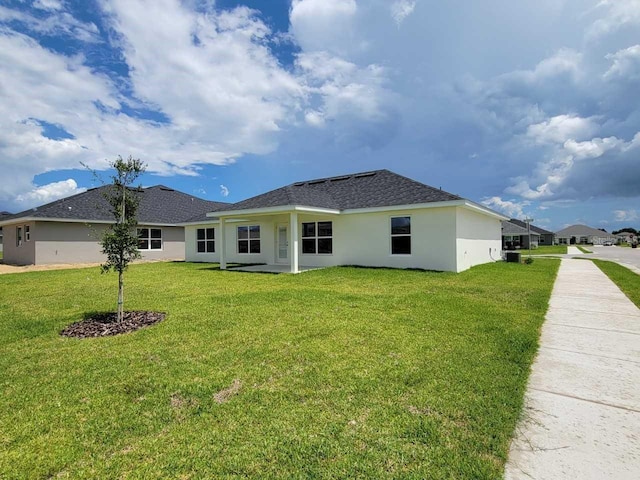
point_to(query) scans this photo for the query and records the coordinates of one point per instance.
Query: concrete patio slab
(582, 407)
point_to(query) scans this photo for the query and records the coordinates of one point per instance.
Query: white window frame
(19, 236)
(316, 237)
(149, 238)
(392, 236)
(27, 233)
(206, 240)
(249, 239)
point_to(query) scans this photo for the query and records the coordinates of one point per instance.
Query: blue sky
(529, 107)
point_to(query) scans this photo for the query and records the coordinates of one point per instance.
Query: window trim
(149, 238)
(316, 237)
(206, 240)
(249, 239)
(394, 235)
(19, 239)
(27, 233)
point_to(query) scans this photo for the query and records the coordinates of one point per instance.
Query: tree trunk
(120, 297)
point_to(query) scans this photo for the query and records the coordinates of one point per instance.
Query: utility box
(513, 257)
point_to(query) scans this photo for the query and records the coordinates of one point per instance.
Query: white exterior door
(283, 244)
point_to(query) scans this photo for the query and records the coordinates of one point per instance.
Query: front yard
(342, 372)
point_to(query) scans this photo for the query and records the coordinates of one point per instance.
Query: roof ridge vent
(366, 174)
(337, 179)
(299, 184)
(315, 182)
(166, 189)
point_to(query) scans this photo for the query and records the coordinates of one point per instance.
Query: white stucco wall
(444, 238)
(479, 239)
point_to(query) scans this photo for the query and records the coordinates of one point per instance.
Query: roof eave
(78, 220)
(273, 210)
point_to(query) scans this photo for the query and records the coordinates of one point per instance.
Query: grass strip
(627, 280)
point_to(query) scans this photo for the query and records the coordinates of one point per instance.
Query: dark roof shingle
(158, 204)
(378, 188)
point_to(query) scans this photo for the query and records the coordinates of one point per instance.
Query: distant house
(68, 230)
(377, 219)
(515, 236)
(545, 237)
(625, 237)
(582, 234)
(2, 215)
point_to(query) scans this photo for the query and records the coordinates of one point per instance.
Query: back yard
(328, 374)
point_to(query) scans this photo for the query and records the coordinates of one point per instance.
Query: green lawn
(627, 281)
(546, 250)
(342, 372)
(583, 249)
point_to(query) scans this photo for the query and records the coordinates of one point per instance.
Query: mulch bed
(106, 324)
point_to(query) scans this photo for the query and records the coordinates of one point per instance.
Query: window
(206, 240)
(249, 239)
(149, 239)
(400, 235)
(317, 237)
(18, 236)
(27, 233)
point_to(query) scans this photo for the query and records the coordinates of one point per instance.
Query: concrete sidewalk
(582, 407)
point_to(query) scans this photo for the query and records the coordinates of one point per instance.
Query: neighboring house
(515, 236)
(69, 230)
(625, 237)
(2, 216)
(545, 236)
(582, 234)
(377, 219)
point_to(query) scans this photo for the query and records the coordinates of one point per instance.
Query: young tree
(120, 241)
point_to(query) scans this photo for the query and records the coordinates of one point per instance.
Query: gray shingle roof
(158, 204)
(522, 224)
(582, 231)
(510, 228)
(378, 188)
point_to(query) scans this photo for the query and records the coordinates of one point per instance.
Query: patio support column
(221, 245)
(293, 222)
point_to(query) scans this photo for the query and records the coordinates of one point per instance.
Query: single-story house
(68, 230)
(376, 219)
(545, 237)
(2, 216)
(625, 237)
(515, 236)
(582, 234)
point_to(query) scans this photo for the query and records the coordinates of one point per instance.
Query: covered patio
(274, 268)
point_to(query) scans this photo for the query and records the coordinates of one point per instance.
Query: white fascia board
(272, 211)
(414, 206)
(418, 206)
(482, 209)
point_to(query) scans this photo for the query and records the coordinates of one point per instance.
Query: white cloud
(625, 64)
(626, 215)
(401, 9)
(48, 193)
(562, 128)
(57, 22)
(48, 4)
(224, 191)
(511, 208)
(324, 25)
(617, 14)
